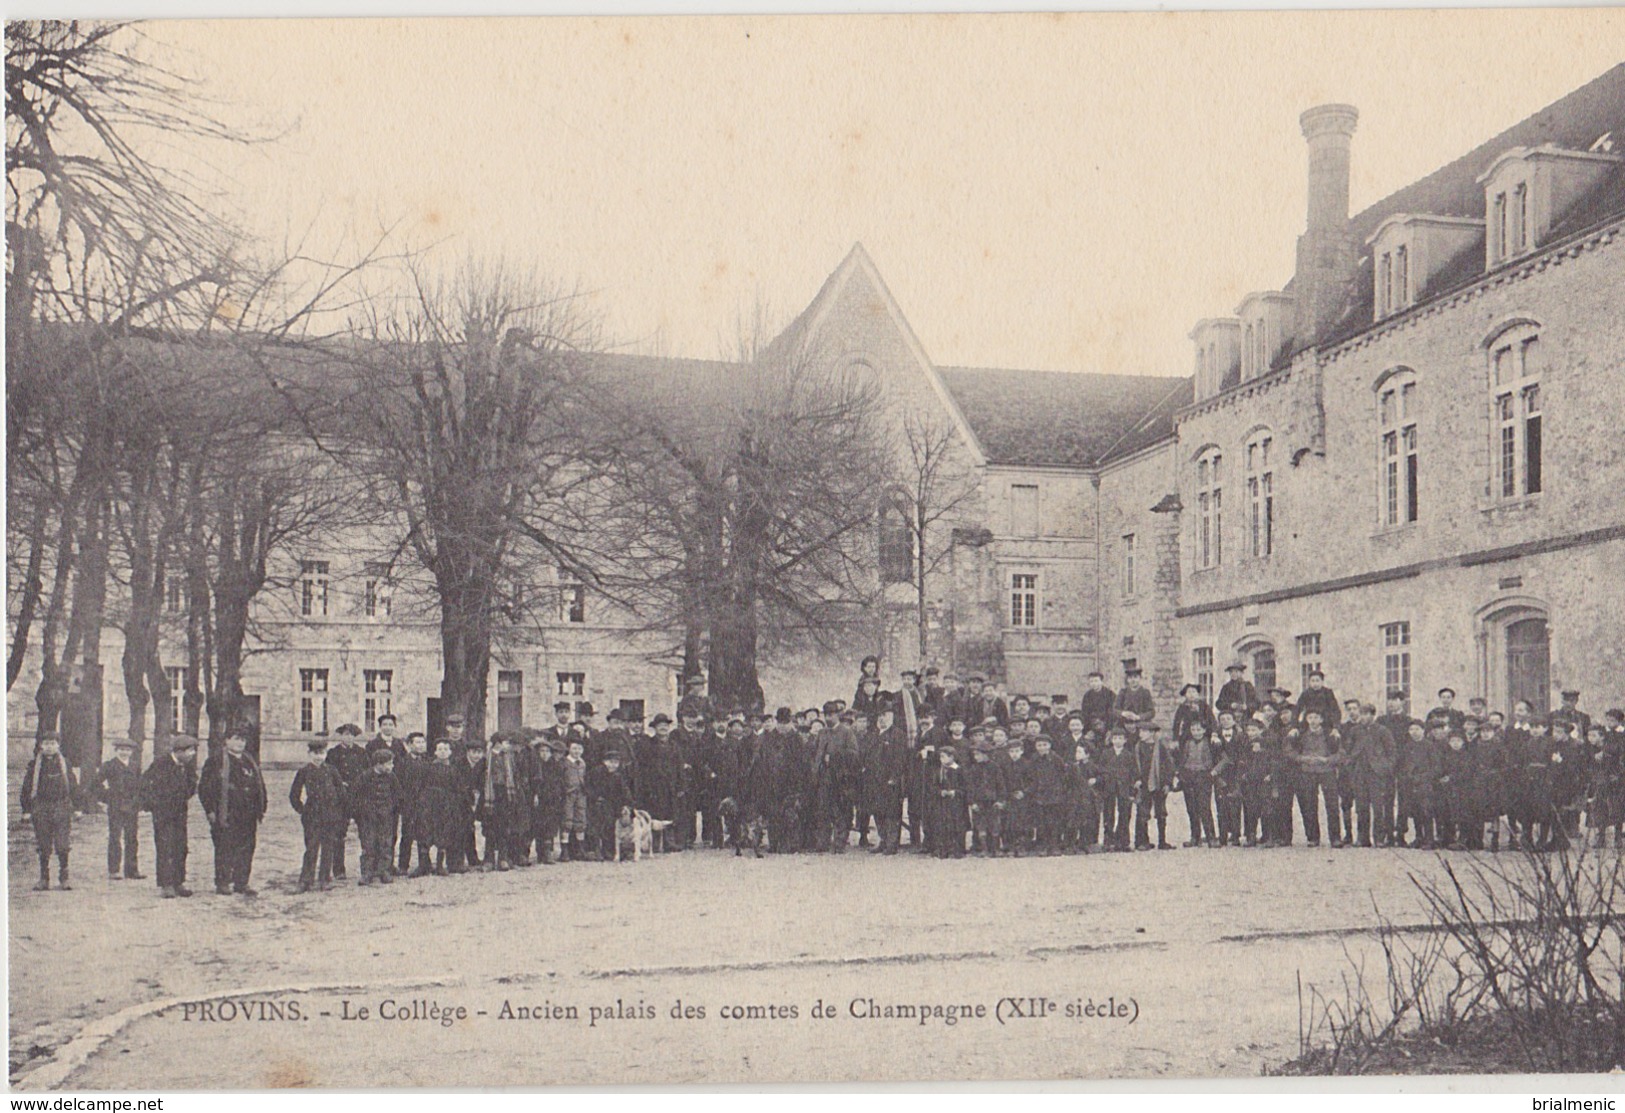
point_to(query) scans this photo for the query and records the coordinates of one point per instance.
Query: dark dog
(742, 829)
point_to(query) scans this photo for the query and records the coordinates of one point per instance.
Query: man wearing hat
(1135, 703)
(1192, 709)
(662, 783)
(1238, 696)
(232, 793)
(1280, 705)
(166, 788)
(349, 757)
(886, 768)
(608, 791)
(118, 786)
(1573, 722)
(50, 789)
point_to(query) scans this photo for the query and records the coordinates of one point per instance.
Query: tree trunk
(465, 642)
(919, 597)
(734, 681)
(32, 586)
(85, 635)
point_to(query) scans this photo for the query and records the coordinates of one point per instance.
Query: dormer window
(1407, 250)
(1527, 191)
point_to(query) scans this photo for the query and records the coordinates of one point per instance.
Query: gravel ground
(1204, 946)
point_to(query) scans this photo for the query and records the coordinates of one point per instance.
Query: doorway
(1528, 663)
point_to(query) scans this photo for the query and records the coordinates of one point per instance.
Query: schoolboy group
(956, 768)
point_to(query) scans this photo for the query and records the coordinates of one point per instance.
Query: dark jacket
(1120, 773)
(1047, 779)
(119, 787)
(166, 787)
(1238, 697)
(318, 795)
(986, 783)
(1136, 701)
(350, 759)
(231, 790)
(1323, 700)
(1098, 706)
(375, 795)
(1187, 713)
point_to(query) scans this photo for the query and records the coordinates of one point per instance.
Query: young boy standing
(50, 789)
(118, 785)
(318, 796)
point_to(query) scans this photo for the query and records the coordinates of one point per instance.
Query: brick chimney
(1326, 251)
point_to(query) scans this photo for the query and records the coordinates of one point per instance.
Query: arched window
(1209, 509)
(1515, 412)
(896, 544)
(1397, 447)
(1260, 494)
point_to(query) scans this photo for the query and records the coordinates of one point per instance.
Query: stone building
(1403, 467)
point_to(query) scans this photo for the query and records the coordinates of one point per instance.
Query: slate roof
(1060, 418)
(1575, 122)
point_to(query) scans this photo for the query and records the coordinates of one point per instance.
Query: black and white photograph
(1068, 548)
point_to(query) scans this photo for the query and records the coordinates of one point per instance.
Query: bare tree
(937, 486)
(467, 417)
(746, 507)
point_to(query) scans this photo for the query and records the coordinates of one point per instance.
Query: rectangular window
(1385, 284)
(177, 697)
(1024, 509)
(1498, 226)
(572, 598)
(1202, 670)
(1390, 465)
(313, 701)
(174, 593)
(570, 683)
(1520, 217)
(1396, 659)
(377, 692)
(1531, 440)
(376, 591)
(1412, 463)
(1128, 564)
(313, 588)
(1402, 277)
(1308, 657)
(1024, 599)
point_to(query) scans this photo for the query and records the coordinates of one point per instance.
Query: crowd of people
(952, 768)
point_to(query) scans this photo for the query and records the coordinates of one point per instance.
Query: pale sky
(1069, 192)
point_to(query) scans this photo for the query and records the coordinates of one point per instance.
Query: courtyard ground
(1194, 958)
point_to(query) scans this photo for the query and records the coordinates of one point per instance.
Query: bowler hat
(1235, 666)
(660, 720)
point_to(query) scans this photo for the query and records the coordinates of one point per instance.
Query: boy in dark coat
(1098, 702)
(1158, 763)
(232, 793)
(1192, 709)
(118, 786)
(1047, 784)
(1259, 786)
(166, 788)
(1369, 772)
(945, 792)
(1238, 696)
(318, 796)
(375, 796)
(1418, 777)
(1019, 821)
(987, 791)
(1196, 760)
(608, 791)
(506, 792)
(411, 766)
(1083, 791)
(1135, 704)
(547, 816)
(1317, 753)
(1229, 762)
(50, 790)
(1453, 798)
(573, 834)
(1120, 775)
(441, 808)
(349, 757)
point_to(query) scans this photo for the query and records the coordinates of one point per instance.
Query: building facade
(1403, 468)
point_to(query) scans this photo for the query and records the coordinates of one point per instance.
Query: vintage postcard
(814, 549)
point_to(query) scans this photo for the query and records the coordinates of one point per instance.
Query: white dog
(635, 833)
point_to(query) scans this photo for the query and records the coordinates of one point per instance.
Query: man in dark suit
(232, 793)
(166, 789)
(118, 786)
(1238, 696)
(1098, 704)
